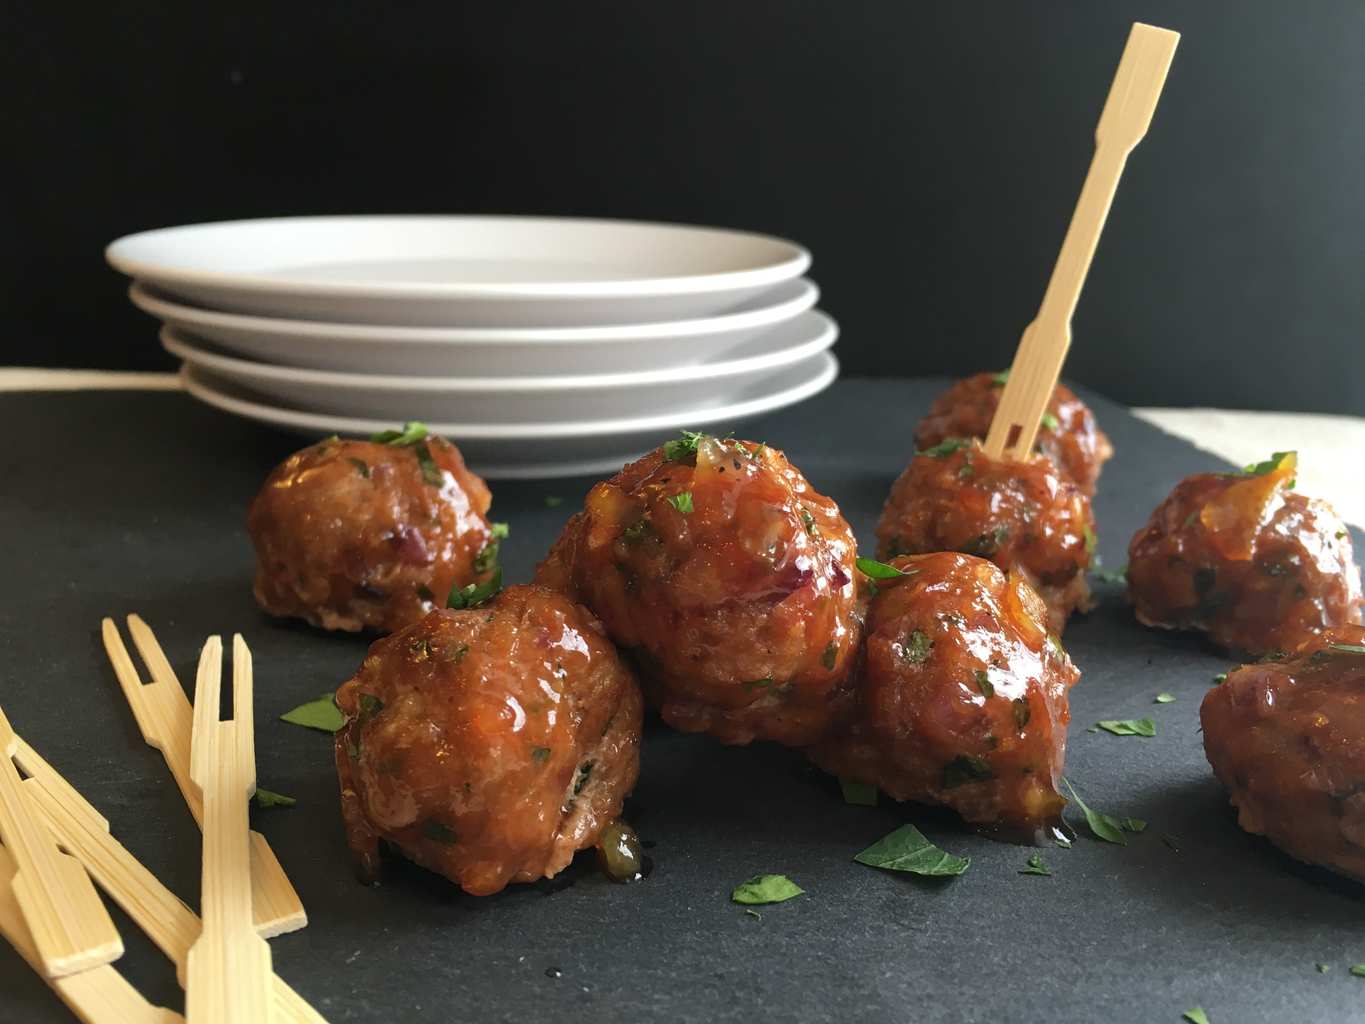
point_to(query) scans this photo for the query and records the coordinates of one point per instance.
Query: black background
(928, 153)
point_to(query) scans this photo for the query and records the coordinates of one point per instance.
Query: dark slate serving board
(119, 501)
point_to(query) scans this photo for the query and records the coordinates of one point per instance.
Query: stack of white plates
(541, 346)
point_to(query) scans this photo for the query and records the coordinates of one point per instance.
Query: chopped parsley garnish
(438, 832)
(858, 793)
(946, 447)
(1268, 466)
(431, 472)
(763, 889)
(686, 445)
(758, 684)
(1196, 1016)
(983, 545)
(682, 502)
(906, 849)
(321, 714)
(488, 556)
(540, 754)
(1108, 576)
(553, 501)
(1220, 678)
(265, 798)
(916, 647)
(1348, 648)
(1323, 968)
(879, 570)
(1172, 841)
(966, 471)
(1105, 826)
(983, 683)
(808, 521)
(584, 774)
(476, 593)
(362, 467)
(412, 432)
(1049, 421)
(1000, 379)
(829, 657)
(1164, 698)
(1358, 970)
(1022, 711)
(964, 769)
(1090, 540)
(1129, 726)
(1035, 866)
(370, 705)
(456, 654)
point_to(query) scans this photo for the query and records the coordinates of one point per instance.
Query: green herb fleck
(1129, 726)
(915, 648)
(1063, 841)
(431, 472)
(1164, 698)
(412, 432)
(675, 451)
(1107, 576)
(966, 471)
(456, 654)
(859, 794)
(1103, 826)
(362, 467)
(540, 754)
(476, 593)
(763, 889)
(553, 501)
(438, 832)
(1090, 540)
(1323, 968)
(682, 502)
(1036, 866)
(906, 849)
(808, 521)
(321, 714)
(1022, 711)
(879, 570)
(964, 769)
(1348, 648)
(1220, 678)
(1000, 379)
(829, 657)
(1196, 1016)
(370, 705)
(488, 555)
(1358, 970)
(1172, 841)
(983, 545)
(1269, 465)
(265, 798)
(983, 683)
(758, 684)
(584, 773)
(946, 447)
(1049, 421)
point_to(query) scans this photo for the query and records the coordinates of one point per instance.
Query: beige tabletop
(1326, 444)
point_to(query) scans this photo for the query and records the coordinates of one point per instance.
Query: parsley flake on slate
(906, 849)
(1323, 968)
(964, 769)
(682, 502)
(265, 798)
(1107, 576)
(476, 593)
(683, 446)
(488, 555)
(983, 683)
(946, 447)
(860, 794)
(1348, 648)
(1164, 698)
(1358, 970)
(879, 570)
(1035, 866)
(915, 648)
(1172, 841)
(1129, 726)
(412, 432)
(1196, 1016)
(321, 714)
(1049, 421)
(1103, 826)
(553, 501)
(766, 889)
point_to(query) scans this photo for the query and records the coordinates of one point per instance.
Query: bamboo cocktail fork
(69, 927)
(1042, 349)
(227, 976)
(163, 715)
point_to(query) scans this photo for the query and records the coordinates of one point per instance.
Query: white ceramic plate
(484, 352)
(519, 399)
(536, 450)
(453, 271)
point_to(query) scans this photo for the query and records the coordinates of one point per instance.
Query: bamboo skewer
(167, 921)
(70, 929)
(1042, 348)
(227, 975)
(165, 719)
(98, 996)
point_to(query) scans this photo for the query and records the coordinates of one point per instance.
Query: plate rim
(795, 263)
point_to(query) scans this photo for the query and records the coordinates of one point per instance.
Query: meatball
(1240, 555)
(1026, 517)
(963, 697)
(1068, 435)
(488, 744)
(370, 534)
(730, 582)
(1287, 739)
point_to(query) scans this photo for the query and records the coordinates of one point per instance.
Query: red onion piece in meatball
(488, 744)
(360, 535)
(729, 580)
(1259, 567)
(963, 697)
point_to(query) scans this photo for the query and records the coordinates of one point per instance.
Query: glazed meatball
(1068, 435)
(1287, 739)
(1258, 566)
(369, 534)
(488, 744)
(1026, 517)
(730, 582)
(963, 697)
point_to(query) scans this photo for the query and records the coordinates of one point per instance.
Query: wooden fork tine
(70, 928)
(227, 977)
(165, 717)
(98, 996)
(166, 920)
